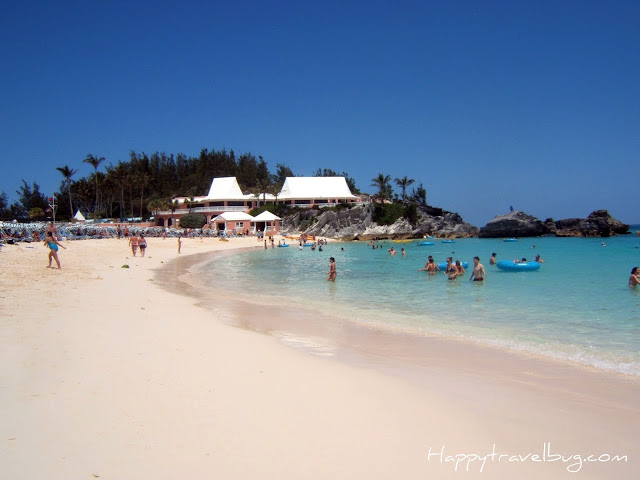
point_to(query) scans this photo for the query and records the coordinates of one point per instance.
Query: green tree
(419, 195)
(282, 172)
(403, 183)
(36, 213)
(155, 204)
(95, 162)
(119, 176)
(29, 197)
(67, 173)
(264, 186)
(4, 206)
(382, 182)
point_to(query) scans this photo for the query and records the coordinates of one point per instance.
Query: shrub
(192, 220)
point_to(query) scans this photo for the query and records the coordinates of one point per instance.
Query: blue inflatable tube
(510, 240)
(511, 266)
(447, 241)
(282, 246)
(443, 266)
(424, 244)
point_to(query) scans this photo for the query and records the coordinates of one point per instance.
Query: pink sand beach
(122, 373)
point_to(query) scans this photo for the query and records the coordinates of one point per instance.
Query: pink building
(225, 197)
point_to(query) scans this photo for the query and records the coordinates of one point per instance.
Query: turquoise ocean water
(577, 307)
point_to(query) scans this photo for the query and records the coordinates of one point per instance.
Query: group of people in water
(454, 270)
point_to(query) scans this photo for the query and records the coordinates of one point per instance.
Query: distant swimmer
(332, 273)
(634, 279)
(492, 260)
(478, 274)
(392, 251)
(404, 254)
(539, 259)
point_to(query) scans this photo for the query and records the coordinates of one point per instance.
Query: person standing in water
(53, 245)
(478, 274)
(634, 279)
(332, 273)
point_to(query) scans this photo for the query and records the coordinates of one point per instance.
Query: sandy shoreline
(106, 374)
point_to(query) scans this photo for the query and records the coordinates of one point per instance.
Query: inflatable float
(447, 241)
(425, 244)
(443, 266)
(282, 246)
(510, 240)
(511, 266)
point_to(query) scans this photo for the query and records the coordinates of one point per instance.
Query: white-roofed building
(315, 191)
(225, 196)
(234, 223)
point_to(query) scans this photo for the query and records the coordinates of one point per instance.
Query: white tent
(78, 216)
(321, 188)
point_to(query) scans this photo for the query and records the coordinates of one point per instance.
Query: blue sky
(488, 104)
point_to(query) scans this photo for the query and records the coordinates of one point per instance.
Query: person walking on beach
(634, 279)
(332, 273)
(142, 243)
(133, 241)
(179, 242)
(53, 245)
(478, 274)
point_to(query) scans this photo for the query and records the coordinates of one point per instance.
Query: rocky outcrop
(597, 224)
(358, 223)
(519, 224)
(346, 223)
(514, 224)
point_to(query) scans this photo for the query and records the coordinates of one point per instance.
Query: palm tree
(119, 176)
(403, 183)
(142, 179)
(382, 182)
(95, 163)
(67, 173)
(263, 186)
(155, 204)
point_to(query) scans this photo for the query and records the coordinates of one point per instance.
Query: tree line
(146, 183)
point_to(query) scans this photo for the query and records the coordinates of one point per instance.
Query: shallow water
(577, 307)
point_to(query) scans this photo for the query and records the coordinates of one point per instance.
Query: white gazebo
(271, 223)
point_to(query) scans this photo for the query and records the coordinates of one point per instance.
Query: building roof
(315, 187)
(226, 188)
(233, 217)
(266, 216)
